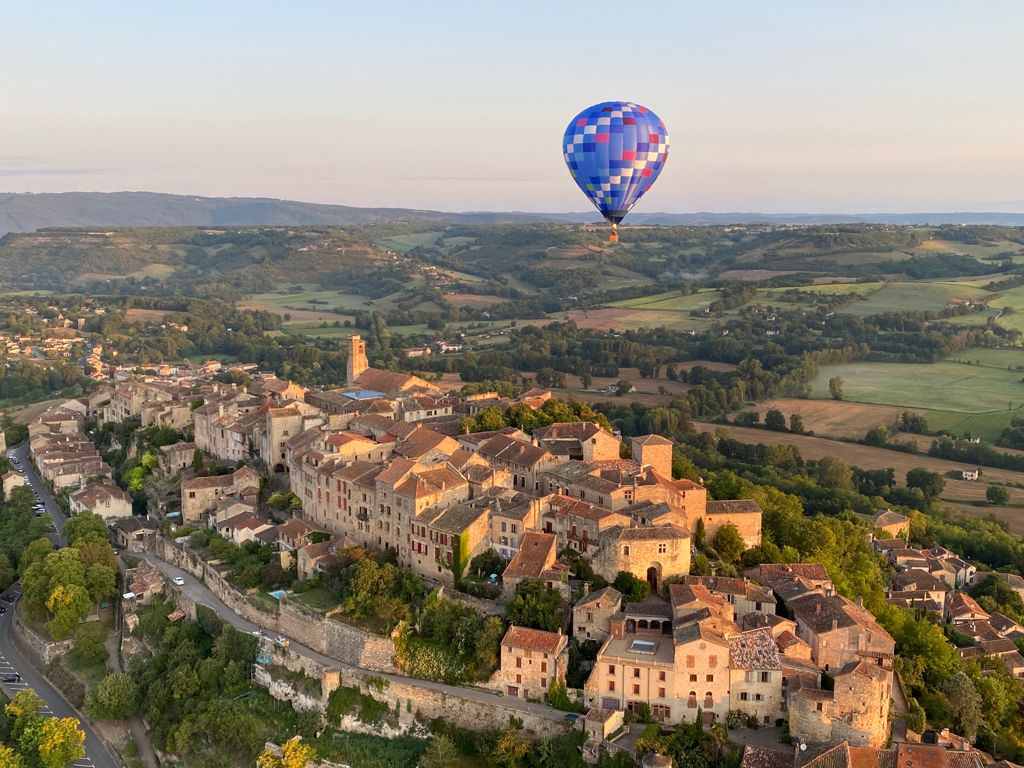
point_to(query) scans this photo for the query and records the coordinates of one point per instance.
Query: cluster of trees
(527, 419)
(194, 690)
(62, 586)
(946, 447)
(510, 747)
(26, 381)
(18, 528)
(35, 740)
(253, 564)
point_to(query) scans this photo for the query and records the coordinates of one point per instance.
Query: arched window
(692, 703)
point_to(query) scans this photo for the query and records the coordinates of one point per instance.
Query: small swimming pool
(277, 594)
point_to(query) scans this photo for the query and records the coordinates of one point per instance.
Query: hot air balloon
(615, 150)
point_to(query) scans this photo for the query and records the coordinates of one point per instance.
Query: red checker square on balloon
(654, 138)
(647, 171)
(581, 121)
(602, 138)
(629, 154)
(629, 121)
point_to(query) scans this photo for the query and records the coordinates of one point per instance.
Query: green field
(942, 386)
(914, 297)
(670, 301)
(959, 397)
(832, 289)
(405, 243)
(1011, 303)
(317, 330)
(323, 300)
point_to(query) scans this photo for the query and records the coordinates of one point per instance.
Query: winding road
(12, 662)
(200, 593)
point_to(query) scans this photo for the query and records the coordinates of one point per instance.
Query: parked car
(178, 580)
(12, 679)
(3, 610)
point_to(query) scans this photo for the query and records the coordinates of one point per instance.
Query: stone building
(530, 660)
(840, 631)
(199, 495)
(536, 560)
(592, 614)
(857, 709)
(103, 499)
(755, 672)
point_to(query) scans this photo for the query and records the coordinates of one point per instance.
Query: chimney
(817, 608)
(586, 588)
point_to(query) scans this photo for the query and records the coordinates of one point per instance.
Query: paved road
(21, 453)
(199, 593)
(13, 663)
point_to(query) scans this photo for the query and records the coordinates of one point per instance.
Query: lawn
(942, 386)
(319, 599)
(914, 297)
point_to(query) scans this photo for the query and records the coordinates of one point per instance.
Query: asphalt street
(20, 452)
(13, 663)
(199, 593)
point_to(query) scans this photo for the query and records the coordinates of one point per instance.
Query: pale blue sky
(771, 106)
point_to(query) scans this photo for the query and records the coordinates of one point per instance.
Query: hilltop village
(384, 464)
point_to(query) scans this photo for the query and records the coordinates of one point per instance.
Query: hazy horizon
(789, 108)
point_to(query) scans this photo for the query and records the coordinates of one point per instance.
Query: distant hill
(31, 212)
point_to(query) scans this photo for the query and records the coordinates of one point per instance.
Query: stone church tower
(356, 359)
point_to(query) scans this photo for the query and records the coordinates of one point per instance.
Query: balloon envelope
(615, 150)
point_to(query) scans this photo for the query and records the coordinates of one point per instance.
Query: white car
(179, 581)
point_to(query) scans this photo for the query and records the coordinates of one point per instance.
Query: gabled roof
(536, 552)
(504, 448)
(823, 612)
(609, 594)
(534, 640)
(962, 604)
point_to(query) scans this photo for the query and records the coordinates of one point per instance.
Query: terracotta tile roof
(821, 613)
(507, 449)
(537, 640)
(214, 481)
(962, 604)
(727, 585)
(772, 573)
(422, 441)
(387, 382)
(92, 495)
(396, 471)
(934, 756)
(536, 552)
(917, 579)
